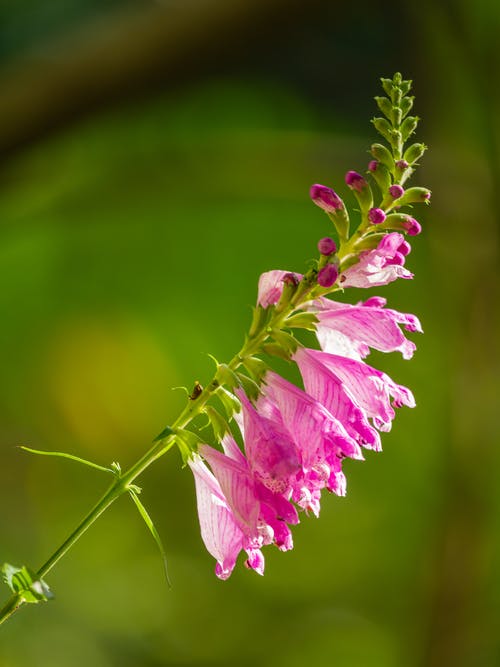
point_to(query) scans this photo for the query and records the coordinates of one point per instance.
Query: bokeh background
(156, 157)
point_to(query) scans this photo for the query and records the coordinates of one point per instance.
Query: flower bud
(406, 105)
(412, 227)
(415, 195)
(373, 165)
(328, 275)
(325, 198)
(355, 181)
(402, 164)
(404, 222)
(384, 128)
(404, 248)
(414, 153)
(396, 191)
(327, 246)
(382, 154)
(384, 105)
(291, 279)
(382, 177)
(376, 216)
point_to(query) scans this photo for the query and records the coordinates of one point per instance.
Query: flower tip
(412, 227)
(355, 181)
(327, 246)
(328, 275)
(376, 216)
(373, 165)
(396, 191)
(325, 198)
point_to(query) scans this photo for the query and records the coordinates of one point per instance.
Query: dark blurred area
(156, 158)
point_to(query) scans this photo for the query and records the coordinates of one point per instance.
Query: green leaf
(168, 430)
(25, 583)
(65, 455)
(149, 523)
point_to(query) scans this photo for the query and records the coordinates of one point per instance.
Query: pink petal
(271, 287)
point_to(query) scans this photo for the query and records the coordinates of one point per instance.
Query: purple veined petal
(376, 267)
(351, 330)
(327, 388)
(220, 531)
(314, 429)
(271, 286)
(370, 388)
(237, 487)
(277, 504)
(270, 451)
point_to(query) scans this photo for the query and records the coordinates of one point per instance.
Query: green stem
(193, 408)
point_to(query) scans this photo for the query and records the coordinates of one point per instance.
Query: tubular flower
(351, 330)
(379, 266)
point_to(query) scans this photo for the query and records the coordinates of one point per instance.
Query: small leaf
(275, 350)
(149, 523)
(71, 457)
(229, 401)
(256, 367)
(252, 389)
(286, 340)
(302, 321)
(24, 582)
(219, 425)
(168, 430)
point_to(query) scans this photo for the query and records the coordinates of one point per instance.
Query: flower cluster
(295, 439)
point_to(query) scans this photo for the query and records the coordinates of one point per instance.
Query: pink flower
(369, 389)
(379, 266)
(236, 511)
(271, 286)
(328, 388)
(351, 330)
(320, 439)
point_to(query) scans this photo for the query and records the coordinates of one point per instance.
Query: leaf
(24, 582)
(168, 430)
(65, 455)
(149, 523)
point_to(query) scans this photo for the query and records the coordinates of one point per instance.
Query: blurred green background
(156, 158)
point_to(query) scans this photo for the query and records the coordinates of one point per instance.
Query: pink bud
(355, 181)
(402, 164)
(405, 248)
(396, 191)
(412, 227)
(327, 246)
(373, 165)
(325, 198)
(328, 275)
(376, 216)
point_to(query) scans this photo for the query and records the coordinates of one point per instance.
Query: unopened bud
(291, 279)
(396, 191)
(402, 164)
(412, 227)
(383, 127)
(384, 105)
(414, 153)
(327, 246)
(373, 165)
(328, 275)
(382, 177)
(326, 198)
(355, 181)
(415, 195)
(404, 222)
(406, 105)
(409, 126)
(376, 216)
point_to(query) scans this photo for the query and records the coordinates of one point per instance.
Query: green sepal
(187, 443)
(230, 402)
(250, 387)
(383, 155)
(168, 430)
(340, 219)
(388, 86)
(406, 105)
(364, 198)
(226, 376)
(367, 243)
(256, 367)
(382, 178)
(25, 583)
(385, 106)
(260, 316)
(302, 320)
(395, 221)
(414, 152)
(219, 425)
(415, 196)
(275, 350)
(384, 128)
(286, 340)
(409, 126)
